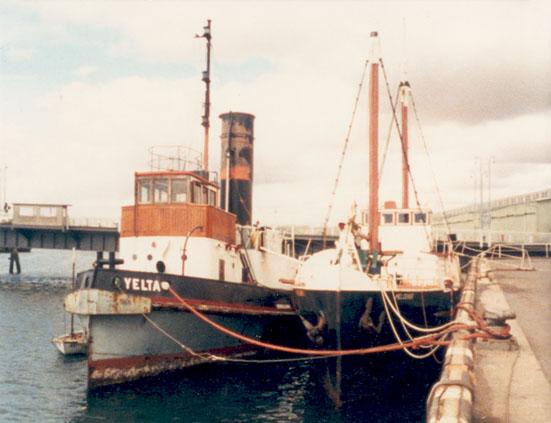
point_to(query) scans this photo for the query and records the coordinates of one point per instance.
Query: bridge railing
(489, 237)
(93, 222)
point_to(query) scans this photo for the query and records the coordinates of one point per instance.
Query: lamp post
(491, 160)
(184, 257)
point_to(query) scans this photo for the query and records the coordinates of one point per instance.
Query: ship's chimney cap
(236, 114)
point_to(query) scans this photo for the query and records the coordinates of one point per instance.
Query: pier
(505, 379)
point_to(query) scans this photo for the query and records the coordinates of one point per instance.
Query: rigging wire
(387, 143)
(404, 153)
(343, 154)
(438, 192)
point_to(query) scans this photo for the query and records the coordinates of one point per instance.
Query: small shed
(40, 215)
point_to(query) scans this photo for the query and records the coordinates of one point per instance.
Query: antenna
(206, 79)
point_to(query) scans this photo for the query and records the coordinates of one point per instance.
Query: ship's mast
(206, 79)
(404, 102)
(373, 219)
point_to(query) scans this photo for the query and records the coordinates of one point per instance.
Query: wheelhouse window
(196, 193)
(420, 218)
(387, 218)
(179, 193)
(144, 191)
(160, 190)
(212, 197)
(403, 218)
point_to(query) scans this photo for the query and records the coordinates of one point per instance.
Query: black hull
(128, 347)
(355, 319)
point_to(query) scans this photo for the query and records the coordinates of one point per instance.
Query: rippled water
(38, 384)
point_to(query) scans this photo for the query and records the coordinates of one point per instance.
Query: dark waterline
(38, 384)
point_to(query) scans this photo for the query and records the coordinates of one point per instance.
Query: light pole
(184, 257)
(491, 160)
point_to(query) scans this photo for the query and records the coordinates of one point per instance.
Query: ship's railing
(308, 231)
(174, 157)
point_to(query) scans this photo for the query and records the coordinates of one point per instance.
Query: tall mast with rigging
(373, 219)
(206, 79)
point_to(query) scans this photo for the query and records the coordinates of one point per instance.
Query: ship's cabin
(175, 187)
(177, 203)
(406, 230)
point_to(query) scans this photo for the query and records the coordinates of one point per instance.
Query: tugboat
(186, 243)
(385, 279)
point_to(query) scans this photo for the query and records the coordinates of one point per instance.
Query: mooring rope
(397, 336)
(435, 340)
(321, 352)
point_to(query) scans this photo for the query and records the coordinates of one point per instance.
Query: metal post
(206, 79)
(184, 249)
(14, 260)
(73, 285)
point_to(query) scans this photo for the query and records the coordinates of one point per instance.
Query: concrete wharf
(500, 380)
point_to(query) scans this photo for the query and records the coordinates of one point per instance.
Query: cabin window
(160, 190)
(179, 190)
(205, 195)
(196, 192)
(420, 218)
(212, 197)
(144, 191)
(403, 218)
(388, 218)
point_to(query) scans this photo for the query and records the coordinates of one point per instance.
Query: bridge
(49, 226)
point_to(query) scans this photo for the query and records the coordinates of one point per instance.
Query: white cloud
(86, 70)
(18, 55)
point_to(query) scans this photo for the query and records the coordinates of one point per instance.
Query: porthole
(134, 257)
(149, 257)
(160, 267)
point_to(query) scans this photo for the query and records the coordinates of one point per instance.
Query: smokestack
(236, 168)
(404, 102)
(373, 219)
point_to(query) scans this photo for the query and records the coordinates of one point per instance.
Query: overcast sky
(87, 87)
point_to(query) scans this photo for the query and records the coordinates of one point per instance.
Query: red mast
(404, 99)
(373, 220)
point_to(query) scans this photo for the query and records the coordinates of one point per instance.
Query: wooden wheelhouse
(176, 203)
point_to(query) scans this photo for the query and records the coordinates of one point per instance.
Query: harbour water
(37, 384)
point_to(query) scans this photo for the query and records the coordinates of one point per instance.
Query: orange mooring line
(425, 340)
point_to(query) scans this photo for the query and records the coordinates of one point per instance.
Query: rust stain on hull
(114, 371)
